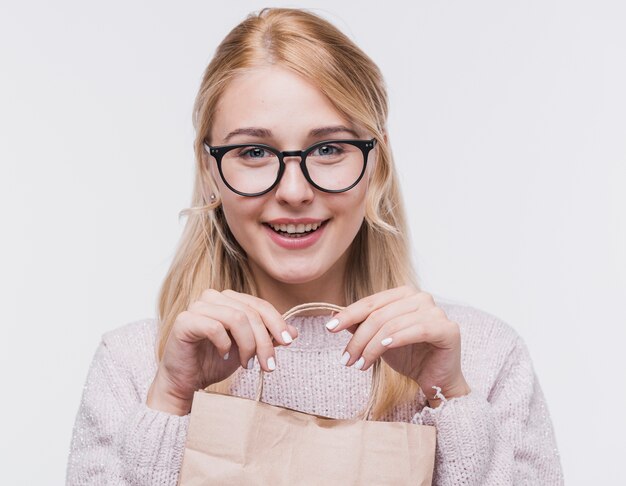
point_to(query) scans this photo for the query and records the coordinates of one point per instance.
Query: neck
(283, 296)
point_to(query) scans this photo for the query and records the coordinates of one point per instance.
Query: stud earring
(212, 197)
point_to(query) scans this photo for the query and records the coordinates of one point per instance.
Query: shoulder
(132, 349)
(478, 326)
(488, 343)
(139, 333)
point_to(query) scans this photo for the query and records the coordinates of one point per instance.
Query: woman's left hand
(413, 336)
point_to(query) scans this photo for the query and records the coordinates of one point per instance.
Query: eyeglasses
(255, 169)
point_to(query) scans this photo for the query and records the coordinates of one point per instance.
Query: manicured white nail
(359, 364)
(271, 364)
(226, 356)
(251, 363)
(332, 324)
(386, 341)
(345, 357)
(286, 337)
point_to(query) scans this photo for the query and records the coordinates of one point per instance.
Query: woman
(296, 200)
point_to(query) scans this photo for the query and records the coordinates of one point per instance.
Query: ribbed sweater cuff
(464, 427)
(153, 442)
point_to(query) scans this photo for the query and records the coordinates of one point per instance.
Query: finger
(293, 331)
(428, 328)
(372, 325)
(263, 342)
(264, 345)
(352, 329)
(236, 322)
(361, 309)
(414, 328)
(398, 332)
(195, 327)
(279, 329)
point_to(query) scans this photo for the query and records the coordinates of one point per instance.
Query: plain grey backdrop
(508, 126)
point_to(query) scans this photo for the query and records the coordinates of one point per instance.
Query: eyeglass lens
(252, 169)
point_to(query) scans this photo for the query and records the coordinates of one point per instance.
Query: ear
(210, 179)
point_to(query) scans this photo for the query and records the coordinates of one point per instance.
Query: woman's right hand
(210, 340)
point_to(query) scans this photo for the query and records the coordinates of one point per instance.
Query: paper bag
(233, 440)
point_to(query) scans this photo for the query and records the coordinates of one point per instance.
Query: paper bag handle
(323, 306)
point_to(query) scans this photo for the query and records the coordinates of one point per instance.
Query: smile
(295, 229)
(294, 236)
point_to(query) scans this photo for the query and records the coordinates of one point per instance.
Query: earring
(212, 197)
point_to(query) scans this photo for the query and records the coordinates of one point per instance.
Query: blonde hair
(209, 256)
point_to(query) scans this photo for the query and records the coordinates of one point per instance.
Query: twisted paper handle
(332, 307)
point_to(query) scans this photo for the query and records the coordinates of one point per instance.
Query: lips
(295, 236)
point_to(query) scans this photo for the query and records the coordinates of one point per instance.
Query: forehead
(276, 99)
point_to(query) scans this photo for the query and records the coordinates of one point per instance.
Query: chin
(296, 276)
(295, 279)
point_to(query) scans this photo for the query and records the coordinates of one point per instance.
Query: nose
(293, 188)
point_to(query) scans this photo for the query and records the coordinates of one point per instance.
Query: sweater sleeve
(117, 439)
(505, 438)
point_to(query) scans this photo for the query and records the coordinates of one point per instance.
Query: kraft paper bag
(233, 440)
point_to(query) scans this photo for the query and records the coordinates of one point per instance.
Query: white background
(508, 122)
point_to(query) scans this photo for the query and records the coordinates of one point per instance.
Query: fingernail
(251, 363)
(386, 341)
(359, 364)
(286, 337)
(271, 364)
(345, 357)
(226, 356)
(332, 324)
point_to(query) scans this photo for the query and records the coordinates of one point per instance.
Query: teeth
(292, 228)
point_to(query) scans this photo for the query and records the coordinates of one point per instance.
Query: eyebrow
(316, 132)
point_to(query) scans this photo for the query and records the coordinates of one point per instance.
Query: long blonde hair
(208, 256)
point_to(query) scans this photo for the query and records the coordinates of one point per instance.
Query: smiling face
(275, 106)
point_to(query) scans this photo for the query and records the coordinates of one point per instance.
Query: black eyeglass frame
(218, 152)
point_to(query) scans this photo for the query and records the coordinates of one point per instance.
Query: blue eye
(252, 152)
(326, 150)
(255, 152)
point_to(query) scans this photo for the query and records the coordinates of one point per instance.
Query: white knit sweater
(499, 434)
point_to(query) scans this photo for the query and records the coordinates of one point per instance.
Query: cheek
(240, 213)
(360, 197)
(222, 188)
(352, 210)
